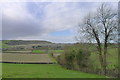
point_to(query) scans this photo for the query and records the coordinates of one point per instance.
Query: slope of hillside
(24, 42)
(30, 44)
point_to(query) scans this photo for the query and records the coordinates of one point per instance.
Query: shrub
(74, 57)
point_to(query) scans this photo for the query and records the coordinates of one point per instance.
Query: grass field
(50, 51)
(112, 58)
(38, 51)
(49, 70)
(2, 45)
(42, 71)
(0, 70)
(56, 51)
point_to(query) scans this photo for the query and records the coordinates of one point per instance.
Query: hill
(31, 44)
(24, 42)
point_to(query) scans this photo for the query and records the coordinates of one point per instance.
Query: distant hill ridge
(25, 42)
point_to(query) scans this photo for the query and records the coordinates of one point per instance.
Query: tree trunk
(105, 63)
(105, 52)
(101, 59)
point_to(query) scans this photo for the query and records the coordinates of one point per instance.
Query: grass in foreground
(42, 71)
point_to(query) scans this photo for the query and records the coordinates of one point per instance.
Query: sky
(52, 21)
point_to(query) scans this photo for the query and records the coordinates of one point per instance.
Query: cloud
(17, 22)
(35, 20)
(58, 16)
(61, 0)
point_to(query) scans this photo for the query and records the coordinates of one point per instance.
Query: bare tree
(101, 27)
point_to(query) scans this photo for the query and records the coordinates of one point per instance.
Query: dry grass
(56, 54)
(26, 58)
(16, 51)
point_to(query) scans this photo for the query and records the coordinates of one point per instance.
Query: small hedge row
(74, 57)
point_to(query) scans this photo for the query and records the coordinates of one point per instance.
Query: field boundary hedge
(29, 62)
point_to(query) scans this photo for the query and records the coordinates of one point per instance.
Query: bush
(74, 57)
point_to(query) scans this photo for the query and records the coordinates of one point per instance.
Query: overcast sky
(52, 21)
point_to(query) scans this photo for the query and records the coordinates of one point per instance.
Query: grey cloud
(16, 28)
(20, 23)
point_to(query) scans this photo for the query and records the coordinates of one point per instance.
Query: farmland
(40, 64)
(112, 59)
(57, 51)
(38, 51)
(26, 58)
(42, 71)
(45, 70)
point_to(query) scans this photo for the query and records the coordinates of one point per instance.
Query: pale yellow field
(27, 58)
(16, 51)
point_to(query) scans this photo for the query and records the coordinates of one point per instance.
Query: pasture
(47, 51)
(38, 51)
(50, 69)
(57, 51)
(37, 70)
(27, 58)
(42, 71)
(112, 58)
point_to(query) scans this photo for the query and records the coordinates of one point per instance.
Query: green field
(2, 45)
(0, 67)
(112, 58)
(42, 71)
(50, 70)
(38, 51)
(56, 51)
(50, 51)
